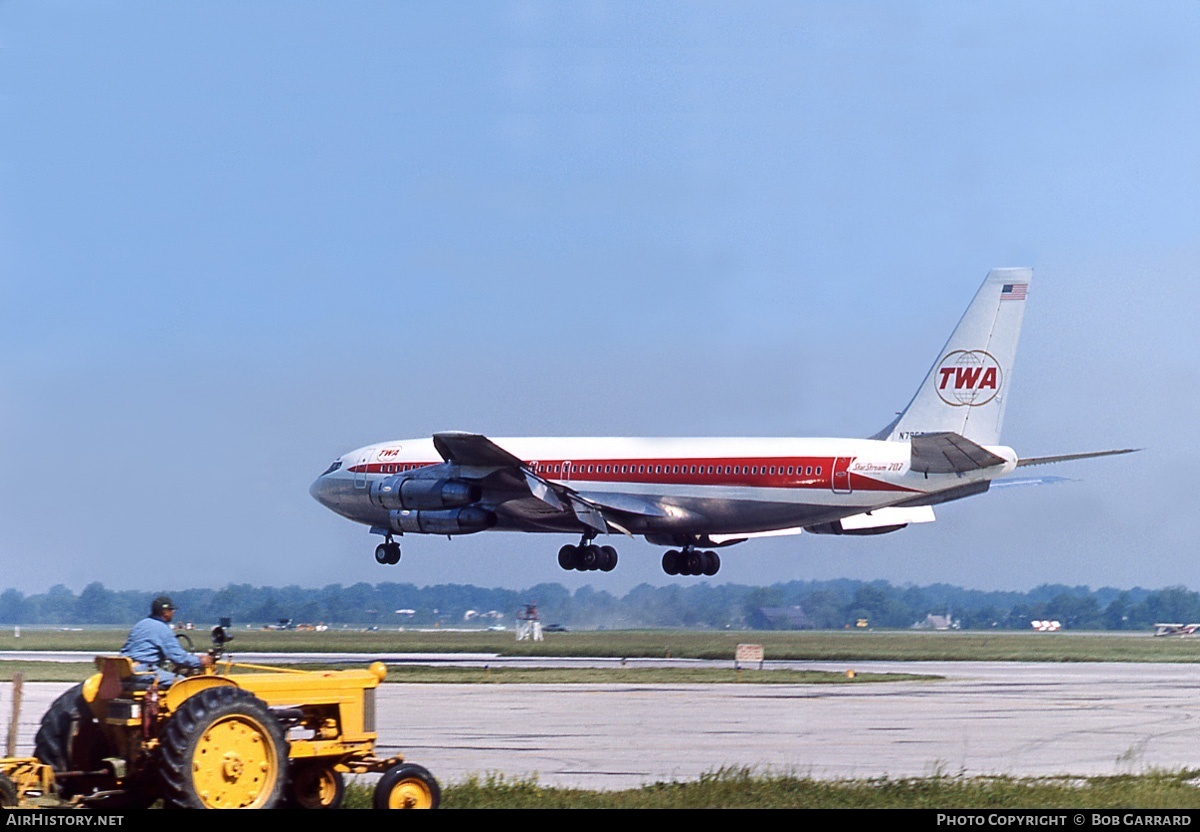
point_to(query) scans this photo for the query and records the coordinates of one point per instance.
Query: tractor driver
(152, 644)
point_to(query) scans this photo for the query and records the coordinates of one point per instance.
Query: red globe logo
(967, 378)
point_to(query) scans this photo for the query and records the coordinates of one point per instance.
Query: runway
(1020, 719)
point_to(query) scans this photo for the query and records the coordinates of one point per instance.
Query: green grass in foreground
(744, 789)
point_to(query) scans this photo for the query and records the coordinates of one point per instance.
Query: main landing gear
(691, 562)
(387, 552)
(587, 557)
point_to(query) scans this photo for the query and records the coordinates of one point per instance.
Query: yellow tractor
(236, 736)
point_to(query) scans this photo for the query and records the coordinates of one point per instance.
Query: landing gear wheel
(566, 556)
(315, 786)
(608, 558)
(407, 786)
(712, 563)
(70, 739)
(589, 558)
(670, 562)
(223, 749)
(387, 553)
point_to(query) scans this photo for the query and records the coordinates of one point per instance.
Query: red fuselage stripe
(765, 472)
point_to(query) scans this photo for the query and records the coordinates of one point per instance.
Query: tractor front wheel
(222, 749)
(407, 786)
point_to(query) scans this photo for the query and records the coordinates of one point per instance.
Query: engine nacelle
(453, 521)
(413, 494)
(836, 528)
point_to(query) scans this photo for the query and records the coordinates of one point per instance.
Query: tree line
(797, 604)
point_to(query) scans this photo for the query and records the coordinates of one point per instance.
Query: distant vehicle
(702, 494)
(554, 628)
(1176, 629)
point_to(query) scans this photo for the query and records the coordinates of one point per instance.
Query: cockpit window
(337, 463)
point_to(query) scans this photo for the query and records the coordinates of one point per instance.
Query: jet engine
(412, 493)
(452, 521)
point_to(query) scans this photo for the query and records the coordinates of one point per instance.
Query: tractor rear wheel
(222, 749)
(407, 786)
(70, 739)
(315, 786)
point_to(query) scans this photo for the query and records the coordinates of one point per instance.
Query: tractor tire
(407, 786)
(315, 785)
(222, 749)
(70, 739)
(8, 793)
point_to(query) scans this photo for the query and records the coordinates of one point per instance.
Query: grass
(746, 789)
(902, 645)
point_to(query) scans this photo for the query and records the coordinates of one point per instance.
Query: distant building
(782, 618)
(937, 622)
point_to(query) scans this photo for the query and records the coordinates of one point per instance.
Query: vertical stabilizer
(967, 388)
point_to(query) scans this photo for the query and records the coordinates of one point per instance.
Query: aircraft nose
(320, 491)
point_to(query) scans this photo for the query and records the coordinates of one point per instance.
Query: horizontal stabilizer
(950, 453)
(1010, 482)
(1046, 460)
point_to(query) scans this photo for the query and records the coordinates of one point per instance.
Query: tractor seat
(117, 676)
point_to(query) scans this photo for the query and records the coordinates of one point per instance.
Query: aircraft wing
(950, 453)
(473, 450)
(1046, 460)
(597, 511)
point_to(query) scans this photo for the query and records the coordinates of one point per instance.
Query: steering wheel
(185, 641)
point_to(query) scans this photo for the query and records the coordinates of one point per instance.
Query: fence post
(18, 682)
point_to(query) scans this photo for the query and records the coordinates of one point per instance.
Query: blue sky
(239, 239)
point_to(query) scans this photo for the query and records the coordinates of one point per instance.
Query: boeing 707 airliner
(696, 495)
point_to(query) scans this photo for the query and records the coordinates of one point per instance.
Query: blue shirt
(152, 642)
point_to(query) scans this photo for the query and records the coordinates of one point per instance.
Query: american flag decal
(1014, 291)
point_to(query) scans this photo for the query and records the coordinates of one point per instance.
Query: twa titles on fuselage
(702, 494)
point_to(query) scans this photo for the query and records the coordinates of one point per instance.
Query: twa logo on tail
(968, 378)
